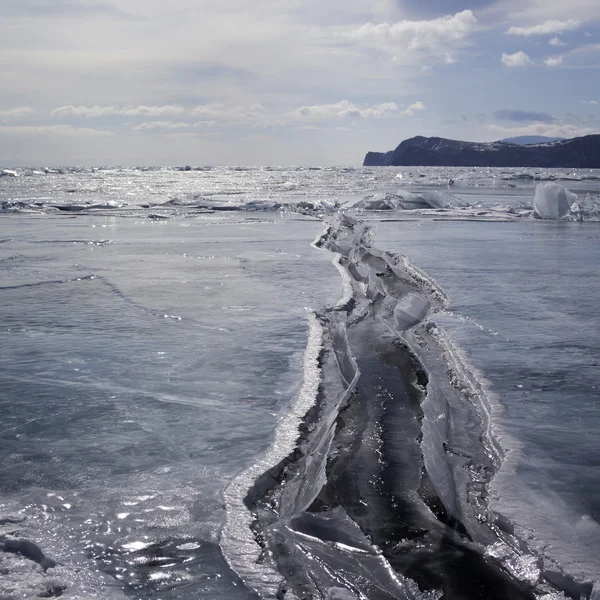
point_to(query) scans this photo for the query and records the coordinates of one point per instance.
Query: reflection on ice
(133, 546)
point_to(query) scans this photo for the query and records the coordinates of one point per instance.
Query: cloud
(580, 120)
(170, 125)
(524, 116)
(584, 56)
(62, 130)
(554, 61)
(410, 111)
(163, 125)
(546, 28)
(90, 112)
(15, 113)
(203, 70)
(62, 9)
(250, 114)
(556, 41)
(254, 114)
(518, 59)
(432, 36)
(546, 129)
(344, 109)
(590, 101)
(532, 12)
(151, 111)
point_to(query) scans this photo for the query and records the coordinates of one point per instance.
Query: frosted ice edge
(238, 541)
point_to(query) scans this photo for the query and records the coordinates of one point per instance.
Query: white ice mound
(552, 201)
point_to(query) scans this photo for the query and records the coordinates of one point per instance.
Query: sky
(287, 82)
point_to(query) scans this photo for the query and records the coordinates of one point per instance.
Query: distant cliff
(378, 159)
(577, 153)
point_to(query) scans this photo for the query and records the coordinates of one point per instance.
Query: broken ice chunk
(552, 201)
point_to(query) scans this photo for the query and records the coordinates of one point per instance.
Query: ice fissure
(385, 495)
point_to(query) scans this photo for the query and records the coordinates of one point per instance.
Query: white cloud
(426, 36)
(215, 112)
(170, 125)
(379, 111)
(518, 59)
(15, 113)
(545, 28)
(554, 61)
(128, 111)
(151, 111)
(590, 101)
(556, 41)
(148, 125)
(344, 109)
(83, 111)
(62, 130)
(209, 110)
(410, 111)
(253, 114)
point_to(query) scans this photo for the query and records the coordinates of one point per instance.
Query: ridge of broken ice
(405, 200)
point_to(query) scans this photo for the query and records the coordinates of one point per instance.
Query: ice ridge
(384, 492)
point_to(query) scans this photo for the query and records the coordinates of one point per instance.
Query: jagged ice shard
(552, 201)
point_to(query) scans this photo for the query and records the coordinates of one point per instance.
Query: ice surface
(552, 201)
(119, 430)
(127, 417)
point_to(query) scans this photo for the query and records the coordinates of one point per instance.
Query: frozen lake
(153, 341)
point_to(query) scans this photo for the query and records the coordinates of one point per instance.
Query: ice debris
(552, 201)
(405, 200)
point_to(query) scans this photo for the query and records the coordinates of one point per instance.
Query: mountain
(576, 153)
(524, 140)
(378, 159)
